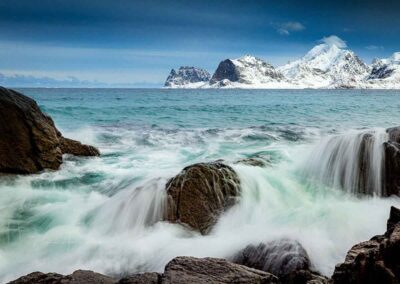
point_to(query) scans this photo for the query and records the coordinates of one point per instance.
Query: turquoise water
(103, 213)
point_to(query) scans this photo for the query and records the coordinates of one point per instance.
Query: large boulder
(182, 270)
(284, 258)
(200, 193)
(373, 261)
(29, 140)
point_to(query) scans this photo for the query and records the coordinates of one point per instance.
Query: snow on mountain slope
(247, 72)
(187, 77)
(385, 73)
(327, 66)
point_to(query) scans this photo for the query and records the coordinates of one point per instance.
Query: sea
(105, 213)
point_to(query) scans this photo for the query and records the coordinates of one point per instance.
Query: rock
(144, 278)
(69, 146)
(200, 193)
(39, 278)
(29, 141)
(182, 270)
(392, 162)
(252, 162)
(78, 277)
(284, 258)
(225, 70)
(373, 261)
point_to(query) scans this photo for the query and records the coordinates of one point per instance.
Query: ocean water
(104, 213)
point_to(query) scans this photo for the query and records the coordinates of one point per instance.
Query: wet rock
(392, 162)
(29, 140)
(373, 261)
(78, 277)
(144, 278)
(200, 193)
(252, 162)
(182, 270)
(76, 148)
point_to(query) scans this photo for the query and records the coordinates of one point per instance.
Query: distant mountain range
(324, 66)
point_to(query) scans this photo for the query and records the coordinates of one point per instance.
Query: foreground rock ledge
(29, 140)
(373, 261)
(180, 270)
(200, 193)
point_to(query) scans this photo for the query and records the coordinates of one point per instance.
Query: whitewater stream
(104, 213)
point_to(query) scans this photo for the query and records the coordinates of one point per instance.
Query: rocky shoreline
(196, 197)
(369, 262)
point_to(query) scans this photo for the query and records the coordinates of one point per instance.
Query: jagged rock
(78, 277)
(29, 140)
(182, 270)
(187, 76)
(200, 193)
(373, 261)
(144, 278)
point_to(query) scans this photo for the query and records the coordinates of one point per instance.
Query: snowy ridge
(385, 73)
(187, 77)
(327, 65)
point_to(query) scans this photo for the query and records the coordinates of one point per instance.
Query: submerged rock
(373, 261)
(255, 162)
(29, 140)
(182, 270)
(279, 257)
(200, 193)
(284, 258)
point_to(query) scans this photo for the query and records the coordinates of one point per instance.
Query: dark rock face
(182, 270)
(225, 70)
(392, 162)
(280, 257)
(373, 261)
(200, 193)
(78, 277)
(29, 140)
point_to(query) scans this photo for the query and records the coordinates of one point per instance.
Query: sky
(133, 43)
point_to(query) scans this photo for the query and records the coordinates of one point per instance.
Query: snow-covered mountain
(247, 71)
(385, 73)
(327, 66)
(187, 77)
